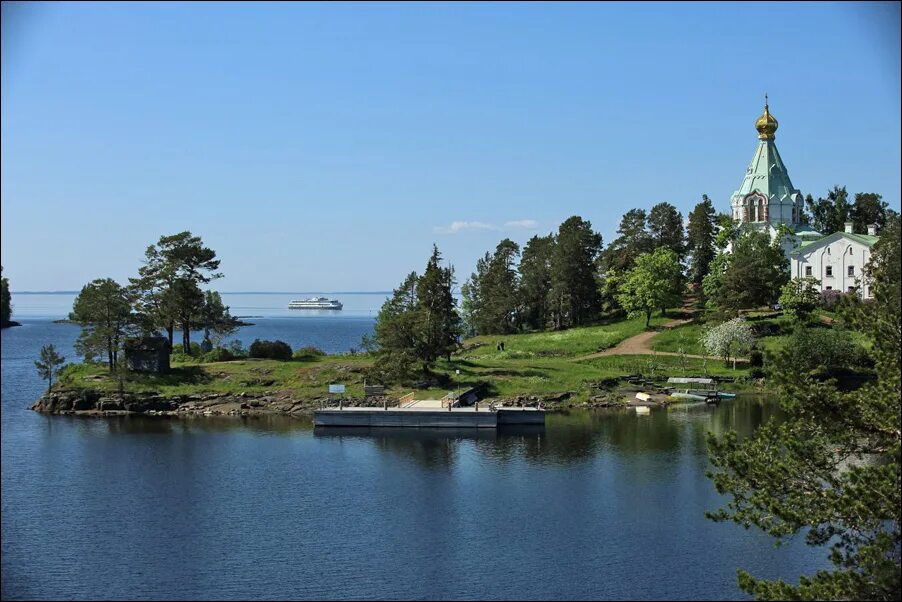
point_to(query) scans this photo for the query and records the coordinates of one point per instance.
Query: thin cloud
(475, 226)
(524, 224)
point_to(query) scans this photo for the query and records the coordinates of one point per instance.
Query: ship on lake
(315, 303)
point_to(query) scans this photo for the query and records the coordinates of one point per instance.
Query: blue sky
(326, 147)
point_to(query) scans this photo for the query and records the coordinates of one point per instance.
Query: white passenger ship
(315, 303)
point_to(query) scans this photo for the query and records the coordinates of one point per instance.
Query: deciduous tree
(728, 340)
(829, 214)
(868, 208)
(654, 283)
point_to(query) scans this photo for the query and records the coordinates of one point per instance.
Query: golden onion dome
(766, 124)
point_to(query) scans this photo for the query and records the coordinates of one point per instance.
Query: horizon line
(229, 292)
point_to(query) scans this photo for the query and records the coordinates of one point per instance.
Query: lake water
(601, 504)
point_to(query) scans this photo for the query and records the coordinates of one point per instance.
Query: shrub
(276, 350)
(236, 348)
(220, 354)
(756, 372)
(756, 358)
(820, 350)
(178, 356)
(179, 348)
(308, 353)
(830, 299)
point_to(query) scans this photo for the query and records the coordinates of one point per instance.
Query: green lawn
(564, 343)
(685, 337)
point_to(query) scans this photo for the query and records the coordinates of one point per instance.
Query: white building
(836, 260)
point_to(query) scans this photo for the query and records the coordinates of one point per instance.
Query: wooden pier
(428, 417)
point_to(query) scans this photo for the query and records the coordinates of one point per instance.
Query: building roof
(767, 174)
(863, 239)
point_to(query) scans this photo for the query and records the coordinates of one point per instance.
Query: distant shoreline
(230, 293)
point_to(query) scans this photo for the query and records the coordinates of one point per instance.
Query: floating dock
(425, 417)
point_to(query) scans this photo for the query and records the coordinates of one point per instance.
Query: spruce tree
(535, 281)
(700, 239)
(396, 334)
(574, 297)
(441, 324)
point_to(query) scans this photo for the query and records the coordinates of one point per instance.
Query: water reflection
(571, 437)
(273, 424)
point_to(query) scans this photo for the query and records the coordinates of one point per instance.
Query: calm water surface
(596, 505)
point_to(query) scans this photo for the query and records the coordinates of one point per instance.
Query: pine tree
(665, 227)
(168, 284)
(633, 240)
(49, 364)
(103, 308)
(491, 294)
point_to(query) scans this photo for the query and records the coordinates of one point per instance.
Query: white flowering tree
(728, 340)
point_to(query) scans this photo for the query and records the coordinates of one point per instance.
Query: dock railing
(406, 399)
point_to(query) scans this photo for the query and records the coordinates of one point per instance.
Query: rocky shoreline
(89, 402)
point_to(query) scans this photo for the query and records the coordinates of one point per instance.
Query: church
(768, 202)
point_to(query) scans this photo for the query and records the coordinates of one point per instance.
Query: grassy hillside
(574, 342)
(531, 364)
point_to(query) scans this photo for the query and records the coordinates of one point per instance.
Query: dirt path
(640, 344)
